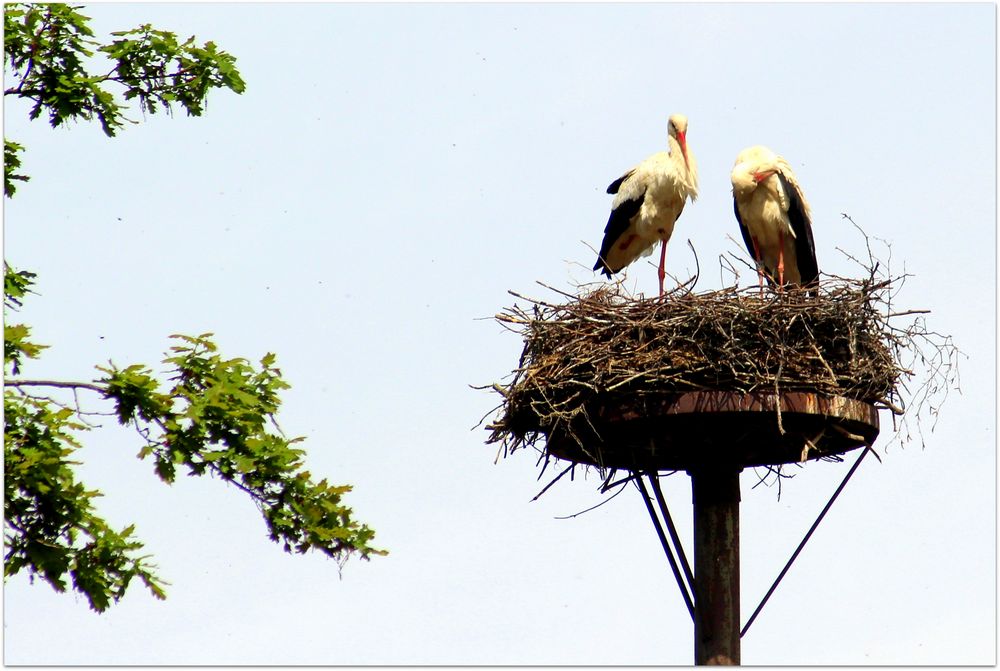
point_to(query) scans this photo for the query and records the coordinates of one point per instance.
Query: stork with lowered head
(774, 218)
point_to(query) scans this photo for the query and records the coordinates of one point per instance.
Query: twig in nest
(554, 481)
(566, 517)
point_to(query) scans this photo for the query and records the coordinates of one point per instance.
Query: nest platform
(716, 428)
(685, 381)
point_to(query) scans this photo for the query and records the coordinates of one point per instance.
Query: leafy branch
(215, 417)
(48, 46)
(211, 416)
(11, 163)
(215, 420)
(50, 526)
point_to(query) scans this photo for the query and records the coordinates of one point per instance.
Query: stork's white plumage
(648, 200)
(774, 218)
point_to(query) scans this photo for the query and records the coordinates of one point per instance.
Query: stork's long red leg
(661, 272)
(781, 258)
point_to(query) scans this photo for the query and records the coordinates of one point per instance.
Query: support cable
(654, 479)
(666, 546)
(804, 540)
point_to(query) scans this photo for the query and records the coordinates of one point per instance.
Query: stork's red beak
(761, 176)
(682, 141)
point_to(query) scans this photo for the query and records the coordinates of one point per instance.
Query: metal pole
(716, 498)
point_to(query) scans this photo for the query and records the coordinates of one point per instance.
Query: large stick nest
(603, 346)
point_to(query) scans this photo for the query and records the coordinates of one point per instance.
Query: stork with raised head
(648, 200)
(774, 218)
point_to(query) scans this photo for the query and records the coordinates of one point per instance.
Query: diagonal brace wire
(654, 479)
(804, 540)
(666, 546)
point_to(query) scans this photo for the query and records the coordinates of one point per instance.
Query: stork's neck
(687, 169)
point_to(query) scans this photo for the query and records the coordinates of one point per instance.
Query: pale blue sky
(362, 210)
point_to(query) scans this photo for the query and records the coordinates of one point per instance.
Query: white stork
(774, 218)
(648, 200)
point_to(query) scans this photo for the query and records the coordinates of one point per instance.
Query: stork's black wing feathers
(748, 241)
(805, 249)
(618, 223)
(615, 185)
